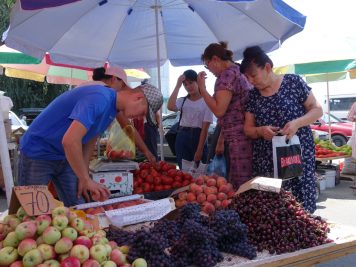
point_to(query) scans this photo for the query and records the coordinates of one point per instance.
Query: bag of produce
(217, 166)
(287, 157)
(193, 168)
(121, 142)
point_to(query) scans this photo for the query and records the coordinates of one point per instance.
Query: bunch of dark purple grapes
(278, 223)
(231, 234)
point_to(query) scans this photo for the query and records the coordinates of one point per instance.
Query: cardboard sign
(261, 183)
(35, 199)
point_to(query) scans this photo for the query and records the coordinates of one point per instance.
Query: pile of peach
(211, 192)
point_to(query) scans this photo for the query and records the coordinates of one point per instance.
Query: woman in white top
(191, 141)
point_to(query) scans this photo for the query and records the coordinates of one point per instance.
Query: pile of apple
(211, 192)
(118, 205)
(59, 240)
(164, 176)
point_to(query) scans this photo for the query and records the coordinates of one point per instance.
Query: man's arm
(72, 144)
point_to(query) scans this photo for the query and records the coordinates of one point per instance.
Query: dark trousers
(151, 137)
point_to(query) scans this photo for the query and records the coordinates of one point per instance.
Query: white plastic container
(330, 178)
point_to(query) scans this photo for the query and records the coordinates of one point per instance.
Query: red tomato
(171, 172)
(167, 187)
(176, 184)
(146, 187)
(157, 180)
(143, 173)
(186, 182)
(138, 191)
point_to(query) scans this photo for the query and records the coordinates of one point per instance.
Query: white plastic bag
(194, 169)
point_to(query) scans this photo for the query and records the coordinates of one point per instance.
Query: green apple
(80, 252)
(124, 249)
(108, 264)
(42, 222)
(60, 211)
(118, 257)
(47, 252)
(21, 213)
(98, 253)
(26, 230)
(63, 245)
(32, 258)
(70, 232)
(13, 223)
(26, 245)
(91, 263)
(62, 257)
(72, 215)
(11, 240)
(139, 262)
(40, 240)
(8, 255)
(52, 263)
(60, 222)
(17, 263)
(51, 235)
(77, 224)
(108, 249)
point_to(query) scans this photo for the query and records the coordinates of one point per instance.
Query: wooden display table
(344, 244)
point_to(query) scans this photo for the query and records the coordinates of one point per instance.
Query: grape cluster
(191, 239)
(278, 223)
(231, 234)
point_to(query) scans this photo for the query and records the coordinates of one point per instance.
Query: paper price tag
(35, 199)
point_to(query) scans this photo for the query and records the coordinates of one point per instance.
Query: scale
(105, 165)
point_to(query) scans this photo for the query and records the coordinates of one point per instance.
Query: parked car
(167, 122)
(16, 122)
(30, 114)
(341, 131)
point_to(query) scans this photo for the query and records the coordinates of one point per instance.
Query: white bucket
(330, 178)
(322, 184)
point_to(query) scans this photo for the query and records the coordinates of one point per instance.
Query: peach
(201, 198)
(208, 208)
(211, 182)
(222, 196)
(180, 203)
(230, 194)
(224, 188)
(225, 203)
(211, 198)
(199, 180)
(191, 197)
(208, 190)
(217, 204)
(206, 178)
(220, 181)
(199, 189)
(182, 195)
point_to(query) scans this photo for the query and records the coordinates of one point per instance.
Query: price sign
(35, 199)
(263, 184)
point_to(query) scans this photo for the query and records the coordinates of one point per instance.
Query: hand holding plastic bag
(121, 142)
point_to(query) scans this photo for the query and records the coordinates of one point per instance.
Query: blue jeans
(151, 136)
(41, 172)
(187, 141)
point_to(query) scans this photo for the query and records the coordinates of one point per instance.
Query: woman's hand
(98, 192)
(290, 129)
(201, 81)
(267, 132)
(198, 155)
(180, 80)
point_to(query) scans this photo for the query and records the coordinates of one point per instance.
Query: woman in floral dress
(280, 103)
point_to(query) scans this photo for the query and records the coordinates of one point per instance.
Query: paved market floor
(337, 205)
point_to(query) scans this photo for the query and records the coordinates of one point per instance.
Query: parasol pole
(157, 9)
(5, 160)
(328, 105)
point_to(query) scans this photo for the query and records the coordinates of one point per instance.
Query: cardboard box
(119, 181)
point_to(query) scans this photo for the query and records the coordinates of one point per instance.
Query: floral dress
(277, 110)
(232, 124)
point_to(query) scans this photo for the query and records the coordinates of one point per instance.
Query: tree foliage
(25, 93)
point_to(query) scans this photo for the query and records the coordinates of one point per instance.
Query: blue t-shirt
(94, 106)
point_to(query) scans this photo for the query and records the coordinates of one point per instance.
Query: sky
(329, 34)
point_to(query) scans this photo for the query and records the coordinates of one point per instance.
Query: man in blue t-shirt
(59, 143)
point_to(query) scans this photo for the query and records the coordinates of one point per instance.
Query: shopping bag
(193, 168)
(171, 136)
(121, 142)
(287, 157)
(217, 166)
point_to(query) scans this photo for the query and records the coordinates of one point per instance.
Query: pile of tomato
(321, 152)
(163, 176)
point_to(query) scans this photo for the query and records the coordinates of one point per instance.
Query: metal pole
(5, 160)
(328, 105)
(157, 9)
